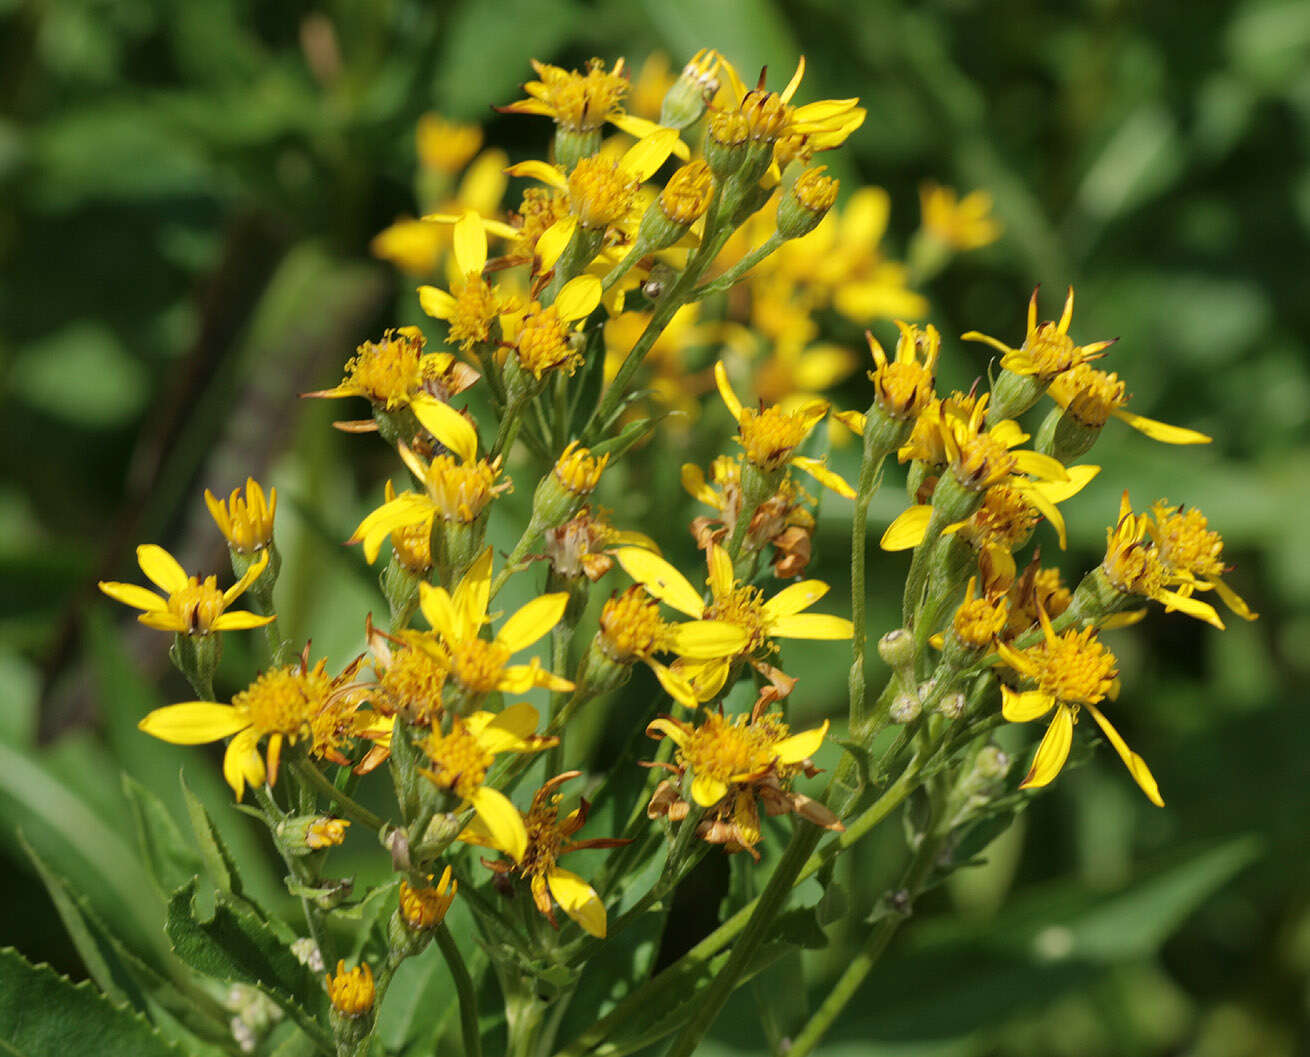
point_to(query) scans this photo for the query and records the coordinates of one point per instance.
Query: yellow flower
(798, 131)
(780, 617)
(189, 605)
(581, 102)
(549, 837)
(961, 223)
(631, 630)
(394, 373)
(1192, 554)
(351, 993)
(457, 487)
(1091, 397)
(284, 704)
(446, 146)
(411, 669)
(903, 387)
(476, 664)
(425, 908)
(771, 435)
(1072, 671)
(1047, 349)
(460, 760)
(472, 309)
(246, 523)
(543, 337)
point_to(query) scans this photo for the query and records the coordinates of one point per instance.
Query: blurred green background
(189, 191)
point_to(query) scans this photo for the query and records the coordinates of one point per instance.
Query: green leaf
(213, 852)
(171, 861)
(633, 433)
(236, 944)
(44, 1015)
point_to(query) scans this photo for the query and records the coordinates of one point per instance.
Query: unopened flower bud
(727, 142)
(562, 491)
(897, 649)
(687, 97)
(807, 203)
(992, 763)
(352, 994)
(952, 706)
(906, 708)
(683, 201)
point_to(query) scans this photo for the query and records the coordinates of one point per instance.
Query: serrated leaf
(171, 861)
(213, 852)
(236, 945)
(42, 1014)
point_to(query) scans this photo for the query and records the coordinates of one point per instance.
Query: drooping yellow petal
(708, 791)
(408, 508)
(520, 678)
(1135, 764)
(693, 480)
(240, 620)
(578, 298)
(721, 576)
(675, 685)
(470, 242)
(725, 391)
(540, 170)
(795, 598)
(1053, 751)
(578, 900)
(472, 596)
(817, 469)
(1188, 604)
(161, 568)
(1161, 431)
(669, 728)
(477, 834)
(1026, 706)
(193, 722)
(1233, 600)
(436, 302)
(852, 420)
(908, 530)
(503, 821)
(242, 763)
(508, 731)
(801, 746)
(703, 640)
(706, 677)
(251, 574)
(133, 595)
(532, 621)
(1043, 467)
(821, 626)
(661, 579)
(449, 427)
(1079, 477)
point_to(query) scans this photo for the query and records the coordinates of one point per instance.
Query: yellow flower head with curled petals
(245, 521)
(1072, 671)
(395, 372)
(1047, 350)
(285, 704)
(549, 837)
(961, 223)
(1092, 397)
(732, 602)
(188, 605)
(1192, 554)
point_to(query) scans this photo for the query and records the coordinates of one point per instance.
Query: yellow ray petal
(795, 598)
(725, 391)
(242, 763)
(721, 578)
(908, 529)
(439, 611)
(1053, 751)
(811, 626)
(472, 597)
(503, 821)
(1161, 431)
(161, 568)
(532, 621)
(706, 677)
(133, 595)
(675, 685)
(251, 574)
(240, 620)
(163, 620)
(578, 298)
(1189, 605)
(703, 640)
(826, 477)
(193, 722)
(669, 728)
(470, 242)
(539, 170)
(1078, 478)
(661, 579)
(578, 900)
(643, 158)
(552, 241)
(449, 427)
(1043, 467)
(511, 730)
(436, 302)
(801, 746)
(407, 508)
(708, 791)
(1022, 707)
(1233, 600)
(1135, 764)
(693, 480)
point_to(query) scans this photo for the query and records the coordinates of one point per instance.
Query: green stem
(464, 989)
(767, 907)
(733, 275)
(858, 680)
(862, 964)
(337, 800)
